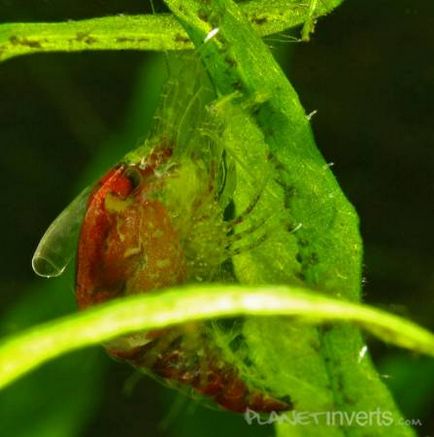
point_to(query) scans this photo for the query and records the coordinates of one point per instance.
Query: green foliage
(41, 343)
(61, 379)
(144, 32)
(325, 250)
(312, 245)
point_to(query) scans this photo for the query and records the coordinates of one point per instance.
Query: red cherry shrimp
(140, 233)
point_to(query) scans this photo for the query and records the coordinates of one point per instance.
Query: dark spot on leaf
(301, 276)
(313, 258)
(181, 38)
(85, 37)
(202, 14)
(303, 242)
(16, 40)
(231, 61)
(279, 167)
(237, 85)
(248, 361)
(125, 39)
(259, 20)
(289, 191)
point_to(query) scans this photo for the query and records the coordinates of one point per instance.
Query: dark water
(369, 73)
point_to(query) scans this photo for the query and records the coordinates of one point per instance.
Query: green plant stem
(25, 351)
(142, 32)
(321, 369)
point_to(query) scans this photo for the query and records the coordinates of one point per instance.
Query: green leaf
(144, 32)
(320, 248)
(313, 243)
(27, 350)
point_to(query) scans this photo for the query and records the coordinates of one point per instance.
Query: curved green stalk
(143, 32)
(25, 351)
(321, 249)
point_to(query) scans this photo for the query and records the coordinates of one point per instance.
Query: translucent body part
(165, 216)
(57, 246)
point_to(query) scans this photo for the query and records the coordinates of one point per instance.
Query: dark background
(64, 119)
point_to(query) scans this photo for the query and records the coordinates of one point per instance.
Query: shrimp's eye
(134, 176)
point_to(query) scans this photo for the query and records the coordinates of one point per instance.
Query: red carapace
(129, 244)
